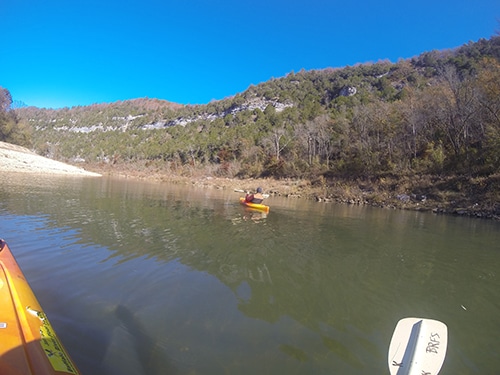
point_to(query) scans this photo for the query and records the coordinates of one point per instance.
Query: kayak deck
(255, 206)
(28, 343)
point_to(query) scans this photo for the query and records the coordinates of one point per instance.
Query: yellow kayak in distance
(28, 343)
(255, 206)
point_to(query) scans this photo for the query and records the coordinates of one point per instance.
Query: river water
(149, 278)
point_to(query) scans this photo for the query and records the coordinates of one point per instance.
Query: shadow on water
(127, 351)
(132, 351)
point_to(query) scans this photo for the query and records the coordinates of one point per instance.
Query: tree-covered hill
(435, 114)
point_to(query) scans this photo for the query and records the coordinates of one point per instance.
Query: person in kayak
(256, 197)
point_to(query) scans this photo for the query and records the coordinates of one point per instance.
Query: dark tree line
(11, 130)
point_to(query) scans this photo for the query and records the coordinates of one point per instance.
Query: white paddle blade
(418, 347)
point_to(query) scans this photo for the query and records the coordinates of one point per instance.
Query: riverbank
(15, 158)
(455, 195)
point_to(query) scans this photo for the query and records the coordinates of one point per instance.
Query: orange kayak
(255, 206)
(28, 343)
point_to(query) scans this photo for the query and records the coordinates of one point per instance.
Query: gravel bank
(15, 158)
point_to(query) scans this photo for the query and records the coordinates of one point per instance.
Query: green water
(141, 278)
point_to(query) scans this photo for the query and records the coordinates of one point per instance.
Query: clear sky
(58, 53)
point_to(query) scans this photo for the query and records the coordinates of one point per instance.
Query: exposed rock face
(348, 91)
(122, 123)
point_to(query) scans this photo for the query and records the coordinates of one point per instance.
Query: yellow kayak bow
(28, 343)
(255, 206)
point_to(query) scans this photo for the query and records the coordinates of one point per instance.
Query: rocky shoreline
(480, 198)
(415, 194)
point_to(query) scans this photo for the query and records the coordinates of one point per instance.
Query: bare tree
(5, 100)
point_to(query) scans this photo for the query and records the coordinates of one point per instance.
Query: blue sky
(63, 53)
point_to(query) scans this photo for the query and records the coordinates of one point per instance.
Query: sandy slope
(19, 159)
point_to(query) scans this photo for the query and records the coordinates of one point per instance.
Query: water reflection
(171, 279)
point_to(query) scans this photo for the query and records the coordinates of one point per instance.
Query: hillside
(423, 127)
